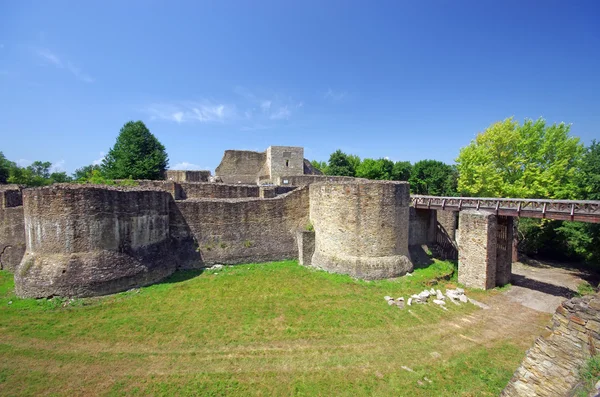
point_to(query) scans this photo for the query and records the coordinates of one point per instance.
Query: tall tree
(401, 171)
(85, 172)
(5, 167)
(320, 165)
(39, 173)
(433, 177)
(532, 160)
(582, 238)
(137, 154)
(340, 164)
(375, 169)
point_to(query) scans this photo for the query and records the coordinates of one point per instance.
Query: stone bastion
(361, 229)
(86, 241)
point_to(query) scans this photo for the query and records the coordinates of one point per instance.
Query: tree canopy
(5, 167)
(39, 173)
(433, 177)
(340, 164)
(532, 160)
(137, 154)
(381, 169)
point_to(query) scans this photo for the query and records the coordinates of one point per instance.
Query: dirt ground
(542, 286)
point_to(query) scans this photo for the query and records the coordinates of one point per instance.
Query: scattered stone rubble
(456, 296)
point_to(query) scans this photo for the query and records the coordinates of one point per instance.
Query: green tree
(37, 174)
(375, 169)
(582, 238)
(137, 154)
(340, 164)
(354, 162)
(434, 178)
(401, 171)
(320, 165)
(85, 172)
(5, 167)
(532, 160)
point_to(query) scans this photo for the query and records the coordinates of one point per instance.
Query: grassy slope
(265, 329)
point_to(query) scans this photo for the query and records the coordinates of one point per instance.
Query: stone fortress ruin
(74, 240)
(84, 240)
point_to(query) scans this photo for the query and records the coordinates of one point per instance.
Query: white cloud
(265, 105)
(335, 96)
(187, 167)
(183, 112)
(282, 113)
(53, 59)
(58, 166)
(99, 161)
(23, 162)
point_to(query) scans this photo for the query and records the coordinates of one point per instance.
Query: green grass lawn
(261, 329)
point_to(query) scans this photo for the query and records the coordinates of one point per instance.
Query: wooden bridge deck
(566, 210)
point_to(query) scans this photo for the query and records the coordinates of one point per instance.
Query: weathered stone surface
(551, 366)
(86, 240)
(12, 228)
(187, 176)
(361, 228)
(306, 247)
(232, 231)
(477, 249)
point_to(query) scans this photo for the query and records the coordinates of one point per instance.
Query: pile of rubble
(456, 296)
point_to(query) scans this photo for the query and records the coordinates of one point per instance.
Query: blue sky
(405, 80)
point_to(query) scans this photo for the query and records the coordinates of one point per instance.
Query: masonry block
(477, 245)
(306, 247)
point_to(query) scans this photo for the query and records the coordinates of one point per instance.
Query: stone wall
(484, 249)
(285, 160)
(241, 166)
(231, 231)
(447, 221)
(550, 368)
(12, 229)
(187, 176)
(274, 191)
(361, 229)
(85, 240)
(199, 190)
(421, 226)
(306, 247)
(303, 180)
(477, 249)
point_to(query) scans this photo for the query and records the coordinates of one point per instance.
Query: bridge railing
(570, 210)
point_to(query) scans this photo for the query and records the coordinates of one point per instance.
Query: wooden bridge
(566, 210)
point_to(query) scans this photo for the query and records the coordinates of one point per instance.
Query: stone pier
(484, 249)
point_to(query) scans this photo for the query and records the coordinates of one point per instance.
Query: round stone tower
(361, 228)
(93, 240)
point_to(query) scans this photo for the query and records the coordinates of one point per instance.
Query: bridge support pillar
(484, 249)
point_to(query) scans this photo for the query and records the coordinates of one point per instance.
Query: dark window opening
(287, 163)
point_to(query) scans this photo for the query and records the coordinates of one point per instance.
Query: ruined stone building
(264, 168)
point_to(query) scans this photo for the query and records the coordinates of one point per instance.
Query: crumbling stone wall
(85, 240)
(241, 166)
(230, 231)
(361, 229)
(216, 190)
(274, 191)
(12, 228)
(550, 368)
(187, 176)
